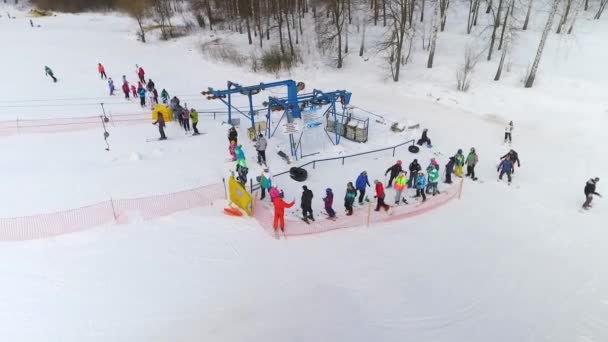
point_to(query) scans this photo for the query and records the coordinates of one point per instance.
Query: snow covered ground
(516, 263)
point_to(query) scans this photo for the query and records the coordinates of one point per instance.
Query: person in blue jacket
(142, 96)
(420, 184)
(361, 184)
(505, 166)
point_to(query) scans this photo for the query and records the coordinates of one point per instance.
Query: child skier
(414, 169)
(265, 183)
(394, 170)
(514, 157)
(124, 80)
(361, 184)
(400, 186)
(141, 73)
(49, 72)
(260, 147)
(434, 164)
(176, 109)
(505, 166)
(164, 96)
(328, 200)
(279, 212)
(161, 126)
(240, 155)
(349, 198)
(508, 132)
(133, 91)
(459, 163)
(232, 134)
(125, 90)
(433, 180)
(142, 97)
(102, 71)
(590, 191)
(449, 169)
(472, 160)
(194, 117)
(111, 86)
(306, 204)
(232, 150)
(380, 196)
(420, 184)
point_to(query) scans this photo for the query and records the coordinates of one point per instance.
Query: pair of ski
(277, 235)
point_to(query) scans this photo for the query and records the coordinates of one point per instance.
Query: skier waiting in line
(505, 166)
(124, 80)
(186, 118)
(380, 195)
(160, 121)
(150, 86)
(232, 134)
(420, 185)
(141, 73)
(472, 160)
(414, 169)
(279, 212)
(176, 109)
(111, 86)
(102, 71)
(449, 169)
(142, 97)
(133, 91)
(424, 139)
(459, 163)
(240, 155)
(349, 198)
(400, 186)
(328, 201)
(125, 90)
(508, 132)
(434, 164)
(265, 182)
(514, 157)
(194, 117)
(306, 204)
(260, 147)
(232, 150)
(590, 191)
(361, 184)
(164, 96)
(394, 171)
(242, 171)
(433, 181)
(49, 72)
(151, 99)
(155, 93)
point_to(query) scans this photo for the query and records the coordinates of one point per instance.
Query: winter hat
(415, 160)
(398, 162)
(304, 187)
(328, 190)
(459, 150)
(364, 173)
(597, 179)
(472, 149)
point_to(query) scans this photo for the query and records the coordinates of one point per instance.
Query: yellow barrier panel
(239, 196)
(164, 110)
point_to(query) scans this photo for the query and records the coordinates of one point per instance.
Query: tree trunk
(586, 5)
(376, 12)
(384, 12)
(280, 20)
(350, 18)
(445, 4)
(362, 48)
(422, 11)
(436, 20)
(541, 45)
(528, 15)
(600, 10)
(248, 30)
(496, 24)
(564, 16)
(142, 32)
(504, 23)
(267, 19)
(505, 50)
(489, 8)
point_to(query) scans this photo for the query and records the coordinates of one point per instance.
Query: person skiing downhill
(124, 80)
(279, 212)
(459, 157)
(590, 191)
(111, 86)
(265, 182)
(400, 185)
(102, 71)
(125, 90)
(361, 184)
(306, 204)
(141, 73)
(260, 147)
(420, 184)
(164, 96)
(176, 109)
(160, 121)
(328, 202)
(505, 166)
(349, 198)
(508, 132)
(449, 169)
(414, 169)
(472, 160)
(394, 171)
(194, 117)
(380, 195)
(49, 72)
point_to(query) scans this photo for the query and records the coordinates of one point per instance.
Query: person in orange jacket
(380, 196)
(279, 212)
(102, 71)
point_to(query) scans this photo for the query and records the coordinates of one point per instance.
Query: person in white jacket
(508, 131)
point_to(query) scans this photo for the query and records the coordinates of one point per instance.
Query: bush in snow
(463, 75)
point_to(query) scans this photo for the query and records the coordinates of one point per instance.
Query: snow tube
(414, 149)
(164, 110)
(298, 174)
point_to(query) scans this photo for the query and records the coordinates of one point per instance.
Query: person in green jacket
(472, 160)
(194, 117)
(459, 163)
(349, 198)
(164, 96)
(433, 180)
(49, 72)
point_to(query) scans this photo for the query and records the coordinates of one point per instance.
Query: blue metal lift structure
(291, 105)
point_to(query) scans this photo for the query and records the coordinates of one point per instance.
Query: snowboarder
(472, 160)
(186, 118)
(49, 72)
(433, 180)
(394, 170)
(514, 157)
(111, 86)
(449, 169)
(349, 198)
(102, 71)
(420, 185)
(361, 184)
(242, 170)
(265, 183)
(161, 126)
(414, 169)
(424, 139)
(400, 186)
(505, 166)
(194, 117)
(133, 91)
(232, 150)
(459, 163)
(590, 191)
(142, 97)
(232, 134)
(328, 201)
(125, 90)
(260, 147)
(508, 132)
(380, 196)
(306, 204)
(150, 86)
(164, 96)
(141, 73)
(279, 212)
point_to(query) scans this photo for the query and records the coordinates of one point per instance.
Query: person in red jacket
(279, 212)
(141, 73)
(125, 89)
(380, 196)
(134, 91)
(102, 71)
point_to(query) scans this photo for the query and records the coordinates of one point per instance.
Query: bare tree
(331, 33)
(508, 37)
(162, 14)
(138, 10)
(434, 33)
(443, 6)
(564, 18)
(398, 13)
(600, 10)
(541, 45)
(528, 14)
(473, 9)
(463, 76)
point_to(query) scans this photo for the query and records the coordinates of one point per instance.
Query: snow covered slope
(516, 263)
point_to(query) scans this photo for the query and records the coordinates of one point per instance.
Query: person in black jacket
(514, 157)
(394, 170)
(590, 191)
(424, 139)
(449, 169)
(307, 204)
(232, 134)
(414, 169)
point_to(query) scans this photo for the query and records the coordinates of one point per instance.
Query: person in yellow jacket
(400, 184)
(459, 157)
(194, 117)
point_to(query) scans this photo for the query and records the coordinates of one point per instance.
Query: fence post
(250, 185)
(460, 189)
(225, 192)
(342, 160)
(213, 116)
(369, 213)
(314, 164)
(394, 148)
